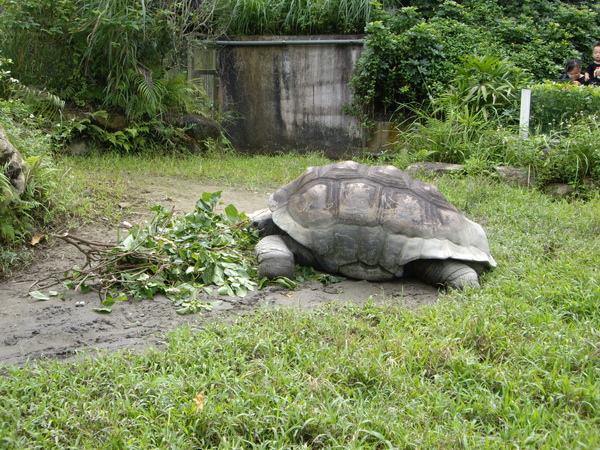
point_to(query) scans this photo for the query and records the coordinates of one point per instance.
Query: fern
(6, 191)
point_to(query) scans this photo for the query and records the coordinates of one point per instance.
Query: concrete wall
(286, 95)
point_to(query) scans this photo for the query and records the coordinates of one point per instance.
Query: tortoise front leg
(277, 254)
(274, 258)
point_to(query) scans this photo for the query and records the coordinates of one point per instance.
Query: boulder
(516, 176)
(559, 190)
(110, 121)
(12, 164)
(199, 129)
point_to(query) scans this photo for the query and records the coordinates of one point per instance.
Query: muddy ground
(31, 329)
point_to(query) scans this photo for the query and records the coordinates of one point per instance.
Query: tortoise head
(263, 222)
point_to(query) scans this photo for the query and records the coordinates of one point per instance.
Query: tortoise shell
(369, 222)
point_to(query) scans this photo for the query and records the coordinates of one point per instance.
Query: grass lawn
(514, 364)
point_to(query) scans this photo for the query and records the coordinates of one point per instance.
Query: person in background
(573, 72)
(592, 72)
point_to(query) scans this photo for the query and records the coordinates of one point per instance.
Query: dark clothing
(580, 80)
(593, 81)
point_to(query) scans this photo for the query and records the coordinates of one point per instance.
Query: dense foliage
(412, 53)
(105, 57)
(126, 54)
(476, 123)
(556, 107)
(115, 53)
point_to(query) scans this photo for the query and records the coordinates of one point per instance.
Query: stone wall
(286, 93)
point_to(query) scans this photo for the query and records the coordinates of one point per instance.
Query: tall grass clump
(253, 17)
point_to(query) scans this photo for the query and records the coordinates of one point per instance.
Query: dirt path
(31, 329)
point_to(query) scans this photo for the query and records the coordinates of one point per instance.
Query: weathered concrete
(289, 97)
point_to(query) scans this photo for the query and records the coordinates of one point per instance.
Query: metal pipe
(303, 42)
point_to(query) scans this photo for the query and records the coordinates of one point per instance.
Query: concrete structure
(287, 93)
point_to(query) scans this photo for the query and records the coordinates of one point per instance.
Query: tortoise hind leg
(448, 272)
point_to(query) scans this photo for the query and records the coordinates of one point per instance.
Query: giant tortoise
(371, 223)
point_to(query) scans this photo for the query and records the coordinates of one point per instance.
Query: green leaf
(102, 310)
(109, 300)
(183, 311)
(39, 295)
(232, 212)
(127, 243)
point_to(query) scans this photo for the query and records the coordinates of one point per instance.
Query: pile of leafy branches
(179, 257)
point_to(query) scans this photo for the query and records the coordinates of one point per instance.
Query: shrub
(556, 106)
(486, 85)
(37, 206)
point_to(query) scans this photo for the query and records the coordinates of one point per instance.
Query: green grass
(514, 364)
(229, 169)
(94, 182)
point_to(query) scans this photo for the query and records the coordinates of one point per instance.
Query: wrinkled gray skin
(372, 223)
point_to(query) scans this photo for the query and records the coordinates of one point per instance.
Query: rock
(515, 175)
(199, 129)
(111, 122)
(13, 163)
(559, 190)
(433, 168)
(108, 121)
(78, 148)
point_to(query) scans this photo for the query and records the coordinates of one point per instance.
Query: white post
(525, 109)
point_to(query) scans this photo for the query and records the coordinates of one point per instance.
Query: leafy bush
(576, 155)
(399, 61)
(487, 85)
(464, 121)
(37, 206)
